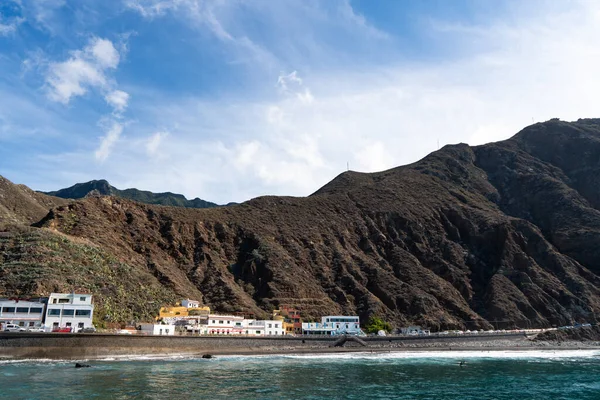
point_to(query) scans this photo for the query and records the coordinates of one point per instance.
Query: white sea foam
(366, 355)
(457, 354)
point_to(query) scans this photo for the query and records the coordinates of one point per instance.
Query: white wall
(158, 329)
(69, 310)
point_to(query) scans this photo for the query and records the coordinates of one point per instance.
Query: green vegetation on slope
(39, 261)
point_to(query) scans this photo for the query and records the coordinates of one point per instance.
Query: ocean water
(432, 375)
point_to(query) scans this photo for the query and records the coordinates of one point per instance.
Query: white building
(69, 310)
(24, 313)
(224, 324)
(254, 327)
(190, 303)
(274, 328)
(333, 325)
(158, 329)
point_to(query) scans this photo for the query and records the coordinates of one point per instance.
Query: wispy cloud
(113, 130)
(153, 144)
(88, 69)
(118, 99)
(10, 27)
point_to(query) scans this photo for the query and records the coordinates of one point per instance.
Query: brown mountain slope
(503, 232)
(19, 204)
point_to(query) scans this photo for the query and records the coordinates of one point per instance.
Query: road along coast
(93, 346)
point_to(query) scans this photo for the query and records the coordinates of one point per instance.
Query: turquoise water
(486, 375)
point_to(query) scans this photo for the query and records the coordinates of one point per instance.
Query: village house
(333, 325)
(157, 329)
(186, 308)
(24, 313)
(292, 323)
(224, 324)
(69, 310)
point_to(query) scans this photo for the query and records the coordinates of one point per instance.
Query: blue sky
(232, 99)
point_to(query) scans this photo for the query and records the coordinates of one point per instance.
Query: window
(54, 311)
(68, 324)
(35, 310)
(8, 309)
(213, 321)
(82, 298)
(228, 322)
(68, 313)
(22, 323)
(270, 325)
(258, 332)
(24, 310)
(31, 323)
(221, 322)
(55, 325)
(63, 301)
(82, 313)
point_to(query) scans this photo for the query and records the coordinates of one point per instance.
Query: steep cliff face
(498, 235)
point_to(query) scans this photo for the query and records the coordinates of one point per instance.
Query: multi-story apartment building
(69, 310)
(25, 313)
(333, 325)
(224, 324)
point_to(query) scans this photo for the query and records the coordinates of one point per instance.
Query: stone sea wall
(88, 346)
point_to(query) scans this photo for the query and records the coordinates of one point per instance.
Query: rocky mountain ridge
(500, 235)
(103, 188)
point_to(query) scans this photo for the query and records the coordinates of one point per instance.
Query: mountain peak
(103, 188)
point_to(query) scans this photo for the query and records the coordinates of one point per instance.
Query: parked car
(36, 329)
(125, 332)
(62, 330)
(89, 329)
(13, 328)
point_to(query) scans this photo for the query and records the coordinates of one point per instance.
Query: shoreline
(461, 352)
(102, 346)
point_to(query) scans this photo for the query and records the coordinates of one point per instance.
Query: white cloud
(118, 99)
(284, 80)
(373, 157)
(154, 142)
(44, 14)
(10, 27)
(153, 8)
(305, 97)
(84, 69)
(72, 78)
(358, 20)
(104, 53)
(114, 129)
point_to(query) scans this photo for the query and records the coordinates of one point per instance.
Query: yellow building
(185, 308)
(291, 320)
